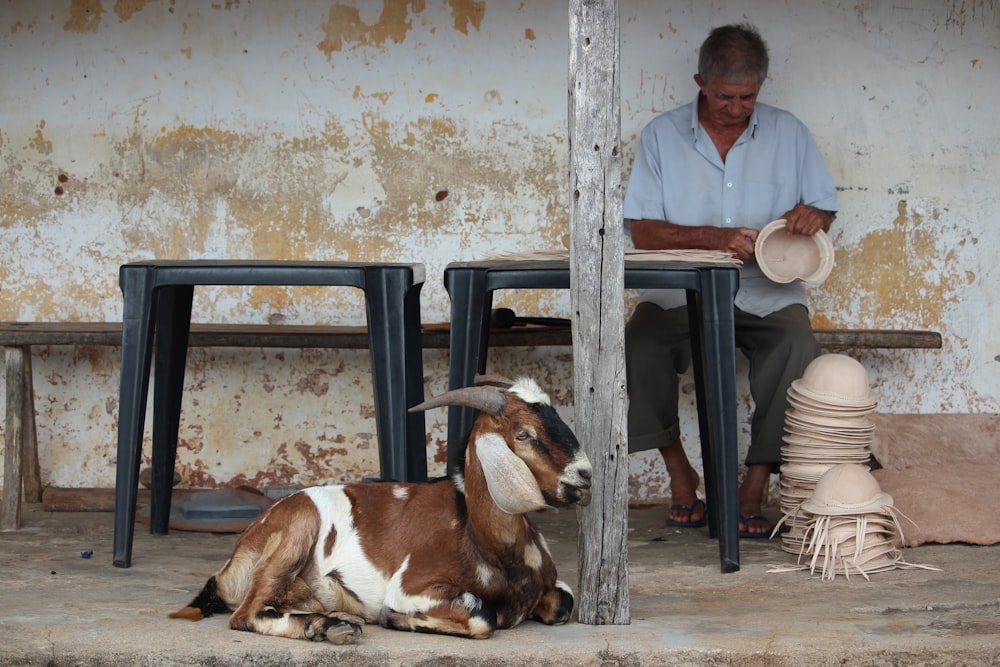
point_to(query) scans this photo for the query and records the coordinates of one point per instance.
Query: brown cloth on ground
(941, 471)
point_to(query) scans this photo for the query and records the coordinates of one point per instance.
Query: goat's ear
(511, 484)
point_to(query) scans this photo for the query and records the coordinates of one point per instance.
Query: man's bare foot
(684, 480)
(755, 524)
(751, 498)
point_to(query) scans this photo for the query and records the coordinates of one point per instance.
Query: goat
(455, 557)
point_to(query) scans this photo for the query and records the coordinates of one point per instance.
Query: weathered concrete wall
(433, 131)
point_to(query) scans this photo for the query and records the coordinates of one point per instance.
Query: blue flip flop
(755, 536)
(690, 510)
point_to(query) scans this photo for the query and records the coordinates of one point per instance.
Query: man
(710, 175)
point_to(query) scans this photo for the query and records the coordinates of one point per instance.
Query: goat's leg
(280, 602)
(335, 626)
(555, 605)
(293, 613)
(465, 616)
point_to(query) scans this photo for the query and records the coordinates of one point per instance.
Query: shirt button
(729, 185)
(729, 221)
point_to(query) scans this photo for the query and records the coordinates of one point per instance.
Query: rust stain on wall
(907, 278)
(466, 13)
(345, 28)
(291, 463)
(382, 97)
(17, 210)
(126, 9)
(39, 142)
(84, 16)
(192, 191)
(314, 382)
(344, 25)
(418, 160)
(187, 143)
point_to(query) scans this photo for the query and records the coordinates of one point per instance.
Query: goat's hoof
(343, 633)
(343, 628)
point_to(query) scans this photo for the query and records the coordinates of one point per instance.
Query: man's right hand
(659, 235)
(738, 242)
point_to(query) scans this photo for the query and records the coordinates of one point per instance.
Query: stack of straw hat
(851, 526)
(827, 424)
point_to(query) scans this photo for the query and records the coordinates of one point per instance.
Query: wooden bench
(17, 338)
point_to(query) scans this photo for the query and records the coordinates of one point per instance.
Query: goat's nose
(584, 473)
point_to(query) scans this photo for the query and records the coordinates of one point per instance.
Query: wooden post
(10, 513)
(32, 476)
(597, 263)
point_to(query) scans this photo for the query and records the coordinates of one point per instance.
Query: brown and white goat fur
(456, 556)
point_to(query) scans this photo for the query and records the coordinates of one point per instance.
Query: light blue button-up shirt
(678, 176)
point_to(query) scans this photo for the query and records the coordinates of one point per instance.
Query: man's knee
(654, 333)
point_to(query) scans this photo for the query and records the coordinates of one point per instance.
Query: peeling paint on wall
(345, 24)
(895, 275)
(435, 131)
(84, 16)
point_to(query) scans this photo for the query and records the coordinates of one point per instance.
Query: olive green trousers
(658, 349)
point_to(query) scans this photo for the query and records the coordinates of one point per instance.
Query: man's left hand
(807, 220)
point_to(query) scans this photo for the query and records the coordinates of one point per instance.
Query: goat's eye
(525, 433)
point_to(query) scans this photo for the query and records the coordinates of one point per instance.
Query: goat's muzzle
(574, 483)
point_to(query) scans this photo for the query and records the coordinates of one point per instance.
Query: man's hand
(807, 220)
(660, 235)
(738, 242)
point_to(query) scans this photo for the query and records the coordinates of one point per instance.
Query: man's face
(727, 103)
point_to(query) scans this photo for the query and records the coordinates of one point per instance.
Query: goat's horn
(494, 381)
(484, 399)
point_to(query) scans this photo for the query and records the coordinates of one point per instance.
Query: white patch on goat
(563, 586)
(543, 544)
(485, 574)
(400, 492)
(532, 556)
(469, 601)
(581, 465)
(348, 561)
(280, 626)
(478, 626)
(399, 600)
(529, 391)
(578, 472)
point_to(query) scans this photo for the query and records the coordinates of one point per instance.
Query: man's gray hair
(735, 53)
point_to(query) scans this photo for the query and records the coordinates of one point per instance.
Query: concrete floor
(62, 609)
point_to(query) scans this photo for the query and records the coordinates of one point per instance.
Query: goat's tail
(207, 602)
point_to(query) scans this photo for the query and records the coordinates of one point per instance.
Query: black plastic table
(711, 289)
(157, 305)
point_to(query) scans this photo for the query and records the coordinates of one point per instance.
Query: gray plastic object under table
(157, 306)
